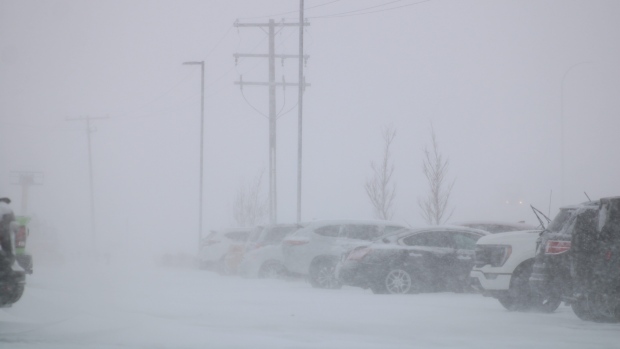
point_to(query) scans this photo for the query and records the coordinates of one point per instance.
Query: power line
(354, 12)
(218, 43)
(363, 9)
(289, 12)
(178, 83)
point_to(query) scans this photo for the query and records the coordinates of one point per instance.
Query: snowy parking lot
(115, 307)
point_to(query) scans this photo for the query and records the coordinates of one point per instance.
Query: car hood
(509, 238)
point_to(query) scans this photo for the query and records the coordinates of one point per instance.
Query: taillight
(295, 242)
(20, 237)
(358, 254)
(557, 246)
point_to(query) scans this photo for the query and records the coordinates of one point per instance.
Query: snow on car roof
(352, 221)
(497, 227)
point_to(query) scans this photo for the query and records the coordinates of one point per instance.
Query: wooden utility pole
(271, 56)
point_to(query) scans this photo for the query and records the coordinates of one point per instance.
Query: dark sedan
(413, 260)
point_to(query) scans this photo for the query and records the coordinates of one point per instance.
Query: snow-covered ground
(131, 307)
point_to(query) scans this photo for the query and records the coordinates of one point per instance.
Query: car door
(431, 254)
(465, 243)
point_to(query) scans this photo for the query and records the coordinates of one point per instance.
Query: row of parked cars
(524, 267)
(383, 256)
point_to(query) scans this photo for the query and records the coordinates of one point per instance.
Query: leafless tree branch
(380, 189)
(435, 168)
(250, 205)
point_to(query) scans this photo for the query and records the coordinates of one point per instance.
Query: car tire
(323, 274)
(272, 270)
(12, 288)
(400, 281)
(581, 308)
(519, 296)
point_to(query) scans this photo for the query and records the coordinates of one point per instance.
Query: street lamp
(562, 126)
(202, 121)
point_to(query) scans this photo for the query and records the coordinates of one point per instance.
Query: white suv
(502, 270)
(315, 250)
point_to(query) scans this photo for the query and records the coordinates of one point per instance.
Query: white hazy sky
(489, 75)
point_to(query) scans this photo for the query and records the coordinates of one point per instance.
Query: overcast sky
(489, 75)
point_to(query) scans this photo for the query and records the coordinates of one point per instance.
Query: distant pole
(92, 190)
(562, 129)
(273, 202)
(93, 221)
(300, 107)
(202, 121)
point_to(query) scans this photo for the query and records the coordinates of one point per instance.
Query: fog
(498, 80)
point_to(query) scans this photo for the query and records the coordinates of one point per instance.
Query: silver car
(315, 250)
(263, 255)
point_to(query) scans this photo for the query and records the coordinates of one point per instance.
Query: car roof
(522, 226)
(593, 203)
(232, 230)
(318, 223)
(407, 231)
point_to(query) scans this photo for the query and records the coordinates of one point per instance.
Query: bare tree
(435, 168)
(250, 206)
(380, 189)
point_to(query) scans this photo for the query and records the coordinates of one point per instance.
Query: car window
(430, 239)
(329, 231)
(465, 241)
(361, 231)
(391, 228)
(276, 234)
(559, 221)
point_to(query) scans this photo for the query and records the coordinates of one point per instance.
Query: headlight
(494, 255)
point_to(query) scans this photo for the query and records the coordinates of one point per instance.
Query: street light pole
(202, 121)
(562, 128)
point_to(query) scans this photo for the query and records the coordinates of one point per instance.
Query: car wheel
(519, 296)
(587, 311)
(399, 281)
(581, 308)
(323, 274)
(271, 270)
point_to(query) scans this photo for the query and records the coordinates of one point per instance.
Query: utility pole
(202, 122)
(89, 131)
(271, 56)
(300, 108)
